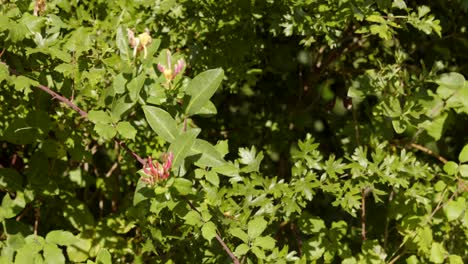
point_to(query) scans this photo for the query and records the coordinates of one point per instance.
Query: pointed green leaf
(183, 186)
(135, 85)
(239, 233)
(120, 106)
(463, 156)
(264, 242)
(122, 43)
(210, 156)
(119, 83)
(161, 122)
(212, 177)
(201, 88)
(103, 257)
(181, 146)
(209, 230)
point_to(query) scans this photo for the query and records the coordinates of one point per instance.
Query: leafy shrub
(124, 126)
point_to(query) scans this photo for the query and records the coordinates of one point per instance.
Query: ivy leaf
(201, 88)
(256, 227)
(209, 230)
(161, 122)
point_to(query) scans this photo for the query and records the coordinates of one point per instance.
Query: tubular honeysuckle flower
(139, 43)
(167, 72)
(157, 171)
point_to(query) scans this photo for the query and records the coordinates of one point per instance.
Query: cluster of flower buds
(157, 171)
(139, 43)
(167, 71)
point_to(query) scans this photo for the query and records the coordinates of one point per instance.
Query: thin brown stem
(363, 214)
(235, 260)
(428, 151)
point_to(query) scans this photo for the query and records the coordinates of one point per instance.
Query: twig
(37, 216)
(235, 260)
(63, 99)
(428, 151)
(363, 214)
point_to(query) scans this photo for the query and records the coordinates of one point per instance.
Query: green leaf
(239, 233)
(212, 177)
(208, 109)
(452, 80)
(99, 117)
(455, 259)
(10, 179)
(142, 192)
(79, 250)
(463, 169)
(183, 186)
(53, 254)
(103, 257)
(209, 230)
(122, 44)
(451, 168)
(105, 131)
(264, 242)
(182, 145)
(258, 252)
(241, 250)
(119, 83)
(210, 156)
(463, 156)
(135, 85)
(4, 72)
(12, 207)
(120, 106)
(126, 130)
(438, 253)
(201, 88)
(454, 209)
(193, 218)
(161, 122)
(256, 227)
(61, 237)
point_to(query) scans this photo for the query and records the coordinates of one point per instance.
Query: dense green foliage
(295, 131)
